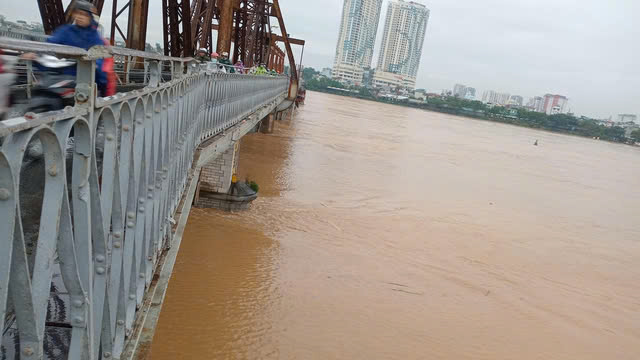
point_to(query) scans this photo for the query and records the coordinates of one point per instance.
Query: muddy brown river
(384, 232)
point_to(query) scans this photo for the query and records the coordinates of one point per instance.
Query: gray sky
(587, 50)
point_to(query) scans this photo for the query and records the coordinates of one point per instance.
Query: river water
(385, 232)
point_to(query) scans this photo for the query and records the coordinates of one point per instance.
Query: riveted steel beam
(225, 26)
(176, 17)
(293, 89)
(53, 13)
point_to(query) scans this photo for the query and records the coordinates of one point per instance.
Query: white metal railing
(86, 219)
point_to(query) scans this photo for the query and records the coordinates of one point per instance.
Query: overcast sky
(587, 50)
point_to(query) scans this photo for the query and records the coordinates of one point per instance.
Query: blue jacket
(73, 35)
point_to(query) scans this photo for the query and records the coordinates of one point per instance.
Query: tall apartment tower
(357, 38)
(555, 104)
(404, 33)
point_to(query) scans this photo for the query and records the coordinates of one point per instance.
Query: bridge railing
(88, 195)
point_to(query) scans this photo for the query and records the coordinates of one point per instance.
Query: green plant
(253, 185)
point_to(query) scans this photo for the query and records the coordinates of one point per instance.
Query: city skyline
(586, 52)
(502, 49)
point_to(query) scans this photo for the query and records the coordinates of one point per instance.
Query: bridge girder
(54, 14)
(188, 25)
(176, 18)
(203, 12)
(137, 15)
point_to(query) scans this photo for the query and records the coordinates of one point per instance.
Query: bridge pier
(267, 125)
(218, 187)
(217, 175)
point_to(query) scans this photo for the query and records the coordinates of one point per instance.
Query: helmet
(214, 54)
(84, 6)
(225, 54)
(202, 50)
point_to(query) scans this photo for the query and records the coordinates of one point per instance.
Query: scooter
(7, 78)
(53, 90)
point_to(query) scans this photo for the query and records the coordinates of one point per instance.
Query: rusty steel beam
(239, 33)
(176, 18)
(52, 14)
(137, 24)
(136, 33)
(276, 57)
(225, 27)
(275, 37)
(258, 32)
(202, 14)
(251, 33)
(99, 5)
(293, 89)
(291, 40)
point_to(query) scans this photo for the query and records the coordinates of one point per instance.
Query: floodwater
(385, 232)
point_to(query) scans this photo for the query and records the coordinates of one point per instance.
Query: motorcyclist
(262, 70)
(214, 57)
(239, 67)
(82, 33)
(202, 56)
(224, 60)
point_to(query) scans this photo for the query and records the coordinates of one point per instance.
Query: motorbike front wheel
(36, 105)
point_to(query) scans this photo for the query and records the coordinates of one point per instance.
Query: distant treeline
(563, 123)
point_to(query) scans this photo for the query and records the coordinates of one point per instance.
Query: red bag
(107, 67)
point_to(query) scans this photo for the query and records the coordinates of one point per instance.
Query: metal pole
(114, 15)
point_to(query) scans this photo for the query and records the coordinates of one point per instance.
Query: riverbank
(561, 123)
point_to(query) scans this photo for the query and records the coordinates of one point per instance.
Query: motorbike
(7, 77)
(52, 91)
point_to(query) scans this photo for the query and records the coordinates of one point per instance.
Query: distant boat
(535, 143)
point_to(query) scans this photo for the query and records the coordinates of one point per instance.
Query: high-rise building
(356, 39)
(536, 104)
(464, 92)
(516, 100)
(496, 98)
(626, 118)
(488, 96)
(459, 90)
(367, 77)
(404, 32)
(470, 93)
(555, 104)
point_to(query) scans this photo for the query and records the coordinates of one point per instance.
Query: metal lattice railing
(87, 197)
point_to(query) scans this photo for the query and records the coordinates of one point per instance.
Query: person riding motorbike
(202, 56)
(82, 33)
(224, 60)
(261, 70)
(239, 67)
